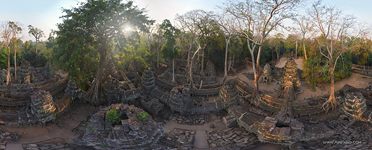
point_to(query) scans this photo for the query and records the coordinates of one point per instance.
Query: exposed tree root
(256, 98)
(331, 103)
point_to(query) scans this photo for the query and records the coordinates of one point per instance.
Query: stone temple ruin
(37, 97)
(282, 119)
(355, 107)
(266, 76)
(130, 133)
(42, 106)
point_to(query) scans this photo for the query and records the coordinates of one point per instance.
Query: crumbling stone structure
(24, 73)
(111, 69)
(110, 89)
(180, 99)
(148, 79)
(42, 106)
(2, 77)
(354, 105)
(210, 71)
(47, 72)
(228, 94)
(266, 76)
(291, 78)
(130, 133)
(72, 89)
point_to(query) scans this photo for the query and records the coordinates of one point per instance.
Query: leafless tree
(227, 23)
(7, 34)
(15, 29)
(37, 33)
(305, 26)
(198, 23)
(333, 26)
(256, 19)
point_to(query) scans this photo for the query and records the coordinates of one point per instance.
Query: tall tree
(37, 33)
(7, 34)
(333, 26)
(305, 26)
(87, 32)
(200, 24)
(170, 50)
(51, 45)
(15, 29)
(227, 23)
(256, 19)
(277, 44)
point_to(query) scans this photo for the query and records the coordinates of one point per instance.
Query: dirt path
(51, 131)
(200, 141)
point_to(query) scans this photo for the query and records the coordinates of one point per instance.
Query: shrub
(90, 128)
(113, 116)
(143, 116)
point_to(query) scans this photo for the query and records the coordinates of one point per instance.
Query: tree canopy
(86, 37)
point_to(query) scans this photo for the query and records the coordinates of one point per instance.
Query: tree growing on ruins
(86, 36)
(170, 50)
(15, 29)
(201, 25)
(305, 27)
(8, 32)
(227, 23)
(36, 33)
(256, 19)
(332, 25)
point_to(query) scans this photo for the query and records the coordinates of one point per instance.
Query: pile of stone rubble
(194, 119)
(6, 137)
(231, 137)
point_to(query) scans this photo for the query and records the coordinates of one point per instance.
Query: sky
(44, 14)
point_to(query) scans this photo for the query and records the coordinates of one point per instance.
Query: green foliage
(132, 54)
(3, 57)
(90, 128)
(86, 35)
(312, 71)
(170, 51)
(342, 71)
(104, 144)
(113, 116)
(142, 116)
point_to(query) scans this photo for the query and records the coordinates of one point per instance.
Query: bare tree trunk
(158, 59)
(296, 50)
(227, 47)
(202, 64)
(15, 64)
(173, 80)
(188, 59)
(233, 61)
(303, 43)
(149, 46)
(36, 46)
(191, 63)
(331, 103)
(96, 91)
(8, 75)
(230, 62)
(277, 55)
(272, 54)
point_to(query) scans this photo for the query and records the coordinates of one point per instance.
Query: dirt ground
(27, 132)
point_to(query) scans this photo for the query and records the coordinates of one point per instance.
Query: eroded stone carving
(266, 76)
